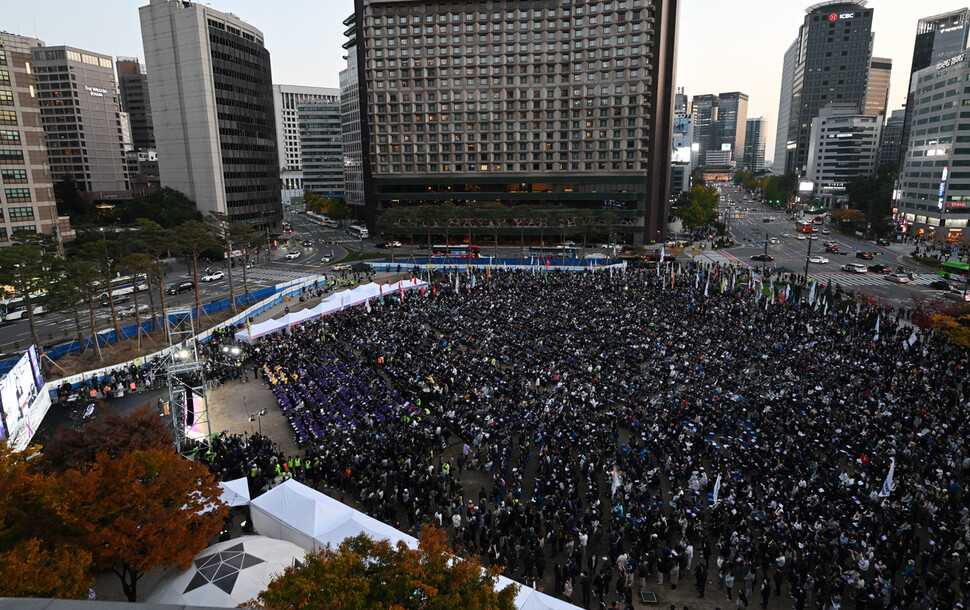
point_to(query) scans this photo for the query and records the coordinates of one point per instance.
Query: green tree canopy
(166, 206)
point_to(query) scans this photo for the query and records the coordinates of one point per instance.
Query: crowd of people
(602, 433)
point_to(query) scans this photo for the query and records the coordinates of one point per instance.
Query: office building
(782, 144)
(211, 92)
(286, 100)
(754, 144)
(27, 204)
(80, 112)
(350, 118)
(934, 198)
(321, 146)
(554, 103)
(832, 61)
(843, 146)
(877, 93)
(704, 117)
(135, 100)
(719, 126)
(681, 149)
(938, 39)
(889, 142)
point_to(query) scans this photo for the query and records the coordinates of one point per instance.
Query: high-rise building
(322, 147)
(211, 94)
(934, 198)
(286, 100)
(352, 128)
(782, 144)
(682, 145)
(824, 74)
(704, 114)
(877, 94)
(889, 142)
(732, 114)
(938, 39)
(559, 102)
(135, 100)
(843, 146)
(27, 202)
(719, 122)
(754, 144)
(80, 112)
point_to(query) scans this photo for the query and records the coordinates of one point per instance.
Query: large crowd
(602, 433)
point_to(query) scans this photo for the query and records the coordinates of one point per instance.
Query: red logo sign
(834, 17)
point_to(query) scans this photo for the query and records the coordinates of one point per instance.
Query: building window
(31, 229)
(9, 135)
(11, 157)
(8, 117)
(6, 98)
(4, 77)
(20, 214)
(14, 176)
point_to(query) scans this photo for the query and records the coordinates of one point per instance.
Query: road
(791, 253)
(271, 269)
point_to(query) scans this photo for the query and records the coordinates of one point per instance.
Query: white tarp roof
(332, 303)
(236, 492)
(228, 573)
(285, 512)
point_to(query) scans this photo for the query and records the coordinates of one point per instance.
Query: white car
(855, 268)
(815, 258)
(785, 235)
(773, 240)
(292, 255)
(898, 278)
(213, 276)
(130, 311)
(800, 236)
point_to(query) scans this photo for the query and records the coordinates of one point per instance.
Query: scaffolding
(186, 381)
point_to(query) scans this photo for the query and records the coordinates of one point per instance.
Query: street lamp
(258, 415)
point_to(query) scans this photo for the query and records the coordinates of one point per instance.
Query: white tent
(228, 574)
(332, 303)
(295, 512)
(236, 492)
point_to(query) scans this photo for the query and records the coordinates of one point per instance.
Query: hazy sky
(724, 45)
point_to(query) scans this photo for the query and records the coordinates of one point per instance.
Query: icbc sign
(837, 16)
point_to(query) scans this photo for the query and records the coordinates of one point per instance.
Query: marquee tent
(334, 302)
(228, 573)
(236, 492)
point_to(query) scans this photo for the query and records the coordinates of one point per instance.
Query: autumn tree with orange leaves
(373, 575)
(139, 511)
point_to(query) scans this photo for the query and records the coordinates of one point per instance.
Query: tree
(138, 265)
(246, 237)
(26, 268)
(33, 561)
(194, 238)
(100, 255)
(388, 221)
(220, 224)
(139, 511)
(365, 574)
(114, 435)
(166, 206)
(954, 325)
(69, 292)
(157, 242)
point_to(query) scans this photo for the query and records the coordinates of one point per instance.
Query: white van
(855, 268)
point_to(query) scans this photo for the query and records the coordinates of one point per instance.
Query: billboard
(726, 146)
(681, 154)
(681, 125)
(18, 389)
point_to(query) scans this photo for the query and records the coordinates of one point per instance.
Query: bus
(121, 286)
(16, 309)
(554, 251)
(456, 251)
(358, 231)
(287, 228)
(803, 226)
(954, 270)
(323, 221)
(819, 220)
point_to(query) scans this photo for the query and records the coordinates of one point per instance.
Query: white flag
(878, 320)
(717, 488)
(887, 487)
(912, 339)
(811, 294)
(367, 306)
(707, 285)
(616, 482)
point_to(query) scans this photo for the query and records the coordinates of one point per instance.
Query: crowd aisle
(601, 434)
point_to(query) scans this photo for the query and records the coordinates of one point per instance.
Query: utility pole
(766, 253)
(808, 256)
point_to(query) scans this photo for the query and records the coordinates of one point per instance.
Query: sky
(733, 45)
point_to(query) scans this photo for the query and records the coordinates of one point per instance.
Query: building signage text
(946, 63)
(95, 92)
(837, 16)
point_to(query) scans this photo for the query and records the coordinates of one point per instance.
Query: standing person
(765, 592)
(700, 576)
(674, 575)
(729, 583)
(567, 590)
(584, 585)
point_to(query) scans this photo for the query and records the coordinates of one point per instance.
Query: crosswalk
(858, 280)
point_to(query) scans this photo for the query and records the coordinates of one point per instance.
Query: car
(882, 241)
(340, 267)
(326, 258)
(945, 285)
(956, 295)
(128, 312)
(815, 258)
(292, 255)
(813, 236)
(800, 236)
(898, 278)
(786, 235)
(825, 231)
(864, 255)
(307, 243)
(180, 287)
(833, 250)
(773, 240)
(855, 268)
(383, 244)
(766, 219)
(212, 276)
(880, 268)
(763, 257)
(117, 298)
(830, 244)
